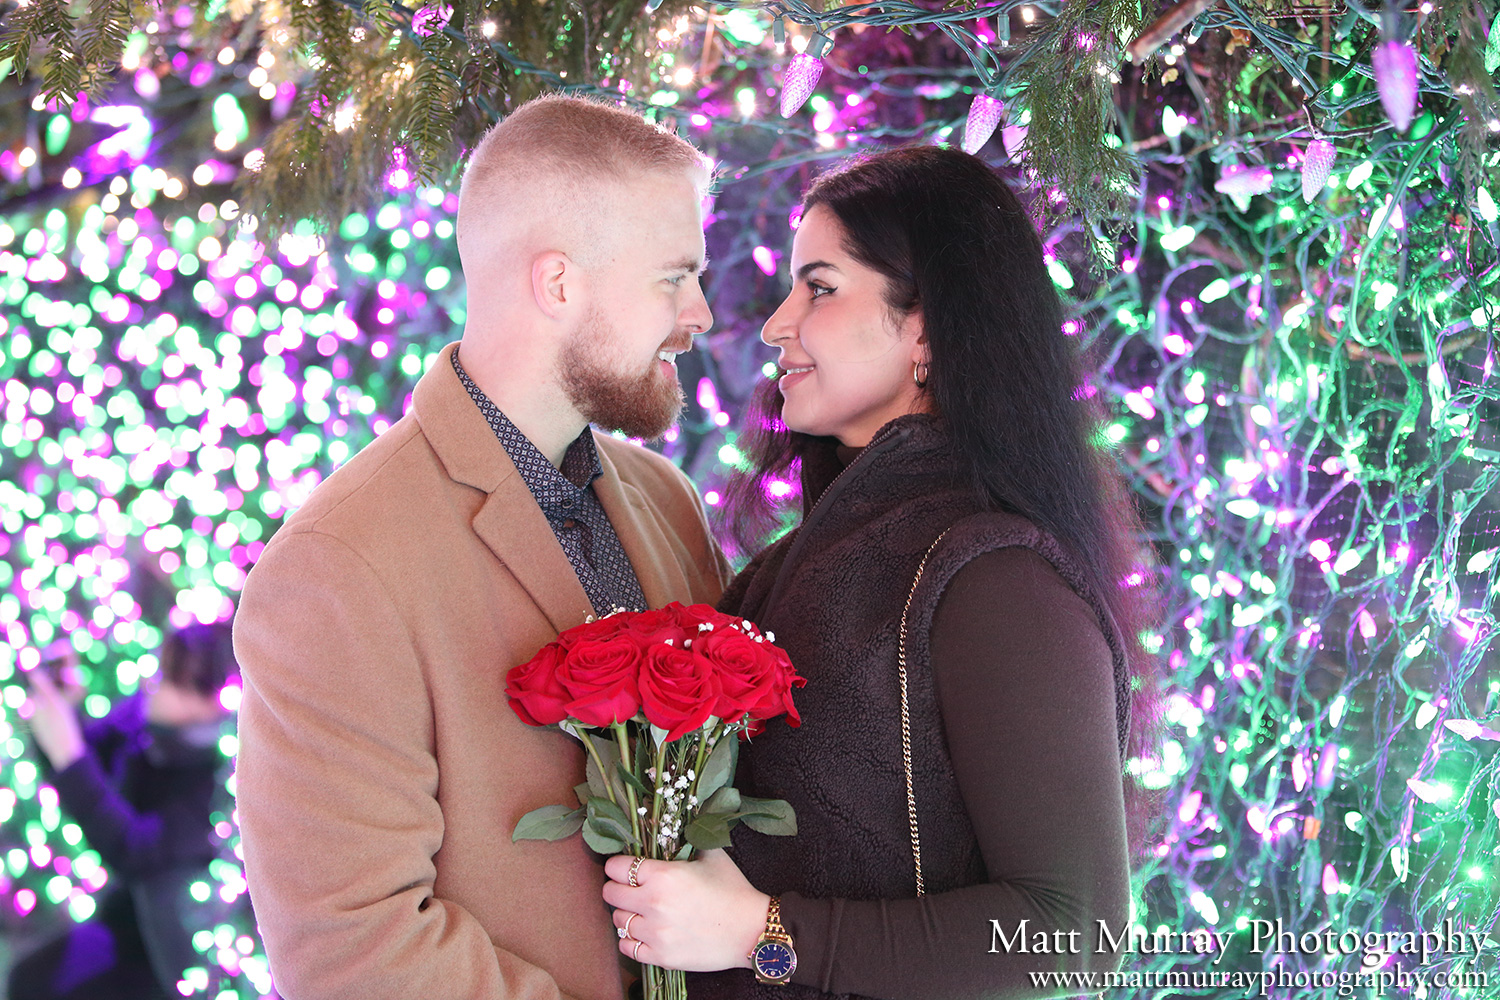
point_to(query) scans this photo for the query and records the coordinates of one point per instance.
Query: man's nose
(697, 317)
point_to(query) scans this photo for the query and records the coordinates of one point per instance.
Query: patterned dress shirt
(572, 508)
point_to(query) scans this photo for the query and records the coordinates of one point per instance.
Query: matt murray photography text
(1262, 936)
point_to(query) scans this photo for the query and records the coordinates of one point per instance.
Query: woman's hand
(54, 723)
(699, 916)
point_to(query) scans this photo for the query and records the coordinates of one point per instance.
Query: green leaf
(608, 819)
(708, 832)
(684, 854)
(724, 802)
(719, 768)
(549, 823)
(1492, 50)
(601, 844)
(583, 791)
(769, 816)
(633, 781)
(610, 754)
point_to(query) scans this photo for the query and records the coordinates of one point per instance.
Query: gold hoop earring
(919, 374)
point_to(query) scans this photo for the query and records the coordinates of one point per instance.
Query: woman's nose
(777, 328)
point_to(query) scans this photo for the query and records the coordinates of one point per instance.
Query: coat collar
(899, 441)
(512, 525)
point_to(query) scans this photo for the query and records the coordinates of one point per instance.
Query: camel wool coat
(381, 770)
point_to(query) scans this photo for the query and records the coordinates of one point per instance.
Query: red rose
(535, 693)
(692, 615)
(679, 689)
(601, 628)
(747, 679)
(754, 677)
(653, 628)
(600, 675)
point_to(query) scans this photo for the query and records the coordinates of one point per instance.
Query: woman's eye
(818, 291)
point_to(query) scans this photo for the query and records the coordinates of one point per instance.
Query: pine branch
(1477, 96)
(40, 22)
(102, 36)
(105, 29)
(1064, 81)
(426, 128)
(62, 74)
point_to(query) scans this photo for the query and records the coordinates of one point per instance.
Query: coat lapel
(510, 523)
(657, 563)
(516, 530)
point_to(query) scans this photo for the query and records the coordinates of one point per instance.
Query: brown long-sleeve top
(1016, 726)
(1027, 697)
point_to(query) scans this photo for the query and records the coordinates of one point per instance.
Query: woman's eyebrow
(806, 269)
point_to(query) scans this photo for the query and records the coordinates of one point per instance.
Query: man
(381, 771)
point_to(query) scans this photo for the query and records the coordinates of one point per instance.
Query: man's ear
(555, 283)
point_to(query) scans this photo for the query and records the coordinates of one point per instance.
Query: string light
(1317, 164)
(984, 117)
(802, 74)
(211, 384)
(1395, 64)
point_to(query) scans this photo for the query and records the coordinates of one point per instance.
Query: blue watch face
(775, 960)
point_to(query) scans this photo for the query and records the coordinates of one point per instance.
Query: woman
(142, 783)
(949, 473)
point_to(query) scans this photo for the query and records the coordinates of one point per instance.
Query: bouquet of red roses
(659, 700)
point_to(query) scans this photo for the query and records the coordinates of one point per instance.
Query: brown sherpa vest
(832, 591)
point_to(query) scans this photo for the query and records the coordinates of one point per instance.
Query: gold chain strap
(911, 797)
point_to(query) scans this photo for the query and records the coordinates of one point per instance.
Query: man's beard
(643, 406)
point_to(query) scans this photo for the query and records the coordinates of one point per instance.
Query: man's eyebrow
(694, 265)
(806, 269)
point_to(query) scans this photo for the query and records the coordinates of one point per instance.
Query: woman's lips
(792, 376)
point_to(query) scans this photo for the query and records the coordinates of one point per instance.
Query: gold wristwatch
(773, 959)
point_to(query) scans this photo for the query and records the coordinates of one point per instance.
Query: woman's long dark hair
(953, 241)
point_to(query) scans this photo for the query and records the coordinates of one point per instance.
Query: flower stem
(622, 737)
(656, 787)
(609, 787)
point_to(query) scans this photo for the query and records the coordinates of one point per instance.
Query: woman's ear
(913, 328)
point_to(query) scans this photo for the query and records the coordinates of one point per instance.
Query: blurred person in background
(142, 784)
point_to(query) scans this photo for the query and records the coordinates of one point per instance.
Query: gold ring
(635, 867)
(635, 953)
(625, 931)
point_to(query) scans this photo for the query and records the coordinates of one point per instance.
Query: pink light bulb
(431, 19)
(1396, 78)
(1317, 164)
(764, 259)
(1242, 183)
(797, 85)
(984, 118)
(1328, 762)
